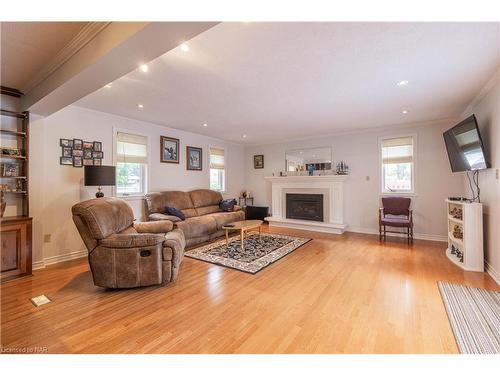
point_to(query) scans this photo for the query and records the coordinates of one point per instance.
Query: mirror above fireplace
(300, 159)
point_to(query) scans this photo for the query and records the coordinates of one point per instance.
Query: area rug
(257, 253)
(474, 315)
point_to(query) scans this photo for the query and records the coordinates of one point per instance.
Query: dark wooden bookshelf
(16, 225)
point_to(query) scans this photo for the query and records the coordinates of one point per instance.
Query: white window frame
(414, 179)
(148, 165)
(225, 167)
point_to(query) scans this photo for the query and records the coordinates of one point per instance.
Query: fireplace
(304, 206)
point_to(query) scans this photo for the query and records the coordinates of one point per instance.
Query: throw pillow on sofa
(175, 212)
(227, 205)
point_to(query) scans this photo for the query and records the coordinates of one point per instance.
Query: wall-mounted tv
(465, 146)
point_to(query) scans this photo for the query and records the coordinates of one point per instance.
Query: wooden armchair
(395, 212)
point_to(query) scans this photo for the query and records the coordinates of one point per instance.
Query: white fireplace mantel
(332, 188)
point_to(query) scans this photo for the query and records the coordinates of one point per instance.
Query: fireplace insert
(304, 206)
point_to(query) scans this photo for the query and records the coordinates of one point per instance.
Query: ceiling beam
(115, 51)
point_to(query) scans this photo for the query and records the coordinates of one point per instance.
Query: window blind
(131, 148)
(397, 150)
(216, 158)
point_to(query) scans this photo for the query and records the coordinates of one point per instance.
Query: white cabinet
(465, 235)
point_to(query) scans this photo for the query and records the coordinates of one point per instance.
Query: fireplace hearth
(304, 206)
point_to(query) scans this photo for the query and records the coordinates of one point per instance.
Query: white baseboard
(493, 272)
(418, 236)
(59, 258)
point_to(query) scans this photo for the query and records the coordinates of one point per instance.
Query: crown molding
(86, 34)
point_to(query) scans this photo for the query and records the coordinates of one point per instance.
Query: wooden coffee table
(243, 226)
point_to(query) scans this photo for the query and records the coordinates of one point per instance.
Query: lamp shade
(99, 175)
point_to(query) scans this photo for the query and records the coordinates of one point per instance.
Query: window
(131, 164)
(398, 167)
(217, 171)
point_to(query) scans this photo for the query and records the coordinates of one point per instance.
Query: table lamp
(99, 175)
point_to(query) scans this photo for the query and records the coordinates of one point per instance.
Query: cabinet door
(13, 246)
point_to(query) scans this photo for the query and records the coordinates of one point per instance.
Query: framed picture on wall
(97, 161)
(87, 144)
(67, 152)
(77, 161)
(169, 150)
(66, 160)
(97, 146)
(194, 161)
(258, 161)
(87, 153)
(88, 161)
(77, 144)
(66, 142)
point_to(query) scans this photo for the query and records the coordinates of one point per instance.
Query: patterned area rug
(256, 255)
(474, 315)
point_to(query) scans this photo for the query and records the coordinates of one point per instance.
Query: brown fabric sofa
(123, 254)
(204, 219)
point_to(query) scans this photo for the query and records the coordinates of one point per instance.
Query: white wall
(434, 180)
(56, 188)
(486, 107)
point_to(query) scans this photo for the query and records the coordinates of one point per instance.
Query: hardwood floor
(336, 294)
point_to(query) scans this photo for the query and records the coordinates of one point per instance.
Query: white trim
(418, 236)
(495, 274)
(84, 36)
(414, 171)
(59, 258)
(117, 130)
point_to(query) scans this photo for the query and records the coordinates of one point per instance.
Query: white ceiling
(277, 81)
(27, 47)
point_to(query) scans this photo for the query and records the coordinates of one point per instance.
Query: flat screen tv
(465, 146)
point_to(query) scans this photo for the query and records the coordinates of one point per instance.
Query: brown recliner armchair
(124, 254)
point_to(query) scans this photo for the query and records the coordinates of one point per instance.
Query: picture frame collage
(77, 152)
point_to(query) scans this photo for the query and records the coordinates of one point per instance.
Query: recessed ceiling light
(108, 85)
(144, 68)
(405, 111)
(244, 135)
(205, 125)
(184, 47)
(140, 106)
(402, 83)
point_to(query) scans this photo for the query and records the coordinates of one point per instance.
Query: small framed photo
(97, 161)
(169, 150)
(63, 142)
(77, 161)
(78, 153)
(66, 160)
(10, 170)
(67, 152)
(258, 161)
(77, 144)
(194, 161)
(87, 144)
(88, 161)
(97, 146)
(87, 153)
(97, 154)
(11, 151)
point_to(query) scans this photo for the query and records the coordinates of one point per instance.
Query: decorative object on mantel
(342, 168)
(310, 169)
(100, 175)
(258, 161)
(169, 150)
(77, 152)
(194, 161)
